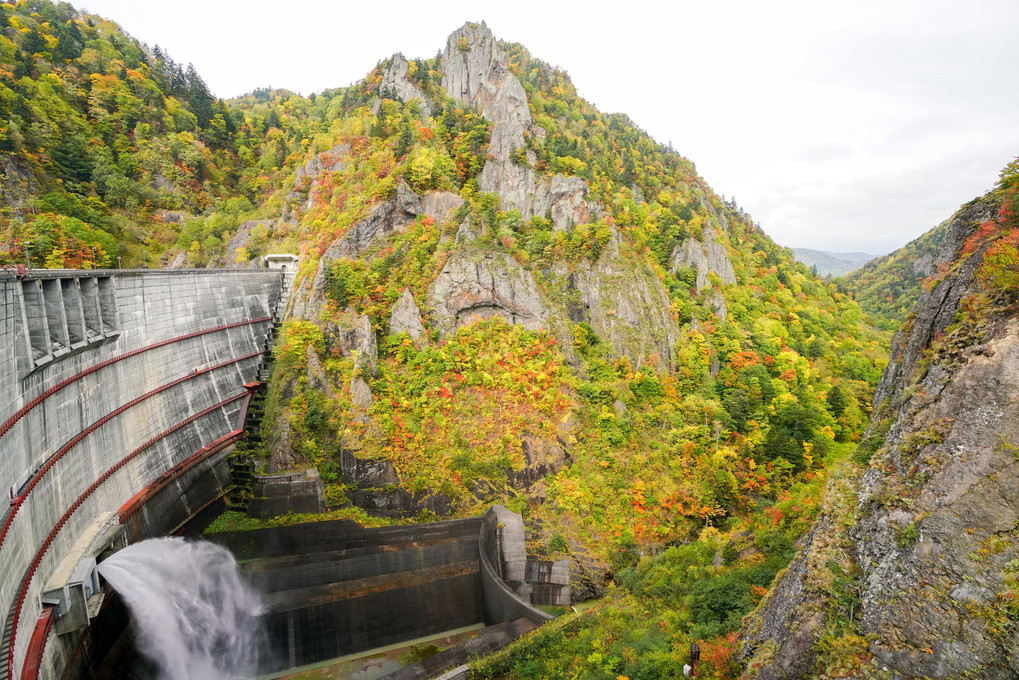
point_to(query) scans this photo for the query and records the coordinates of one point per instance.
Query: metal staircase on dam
(242, 467)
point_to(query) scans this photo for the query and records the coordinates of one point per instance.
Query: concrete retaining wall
(503, 565)
(111, 379)
(276, 495)
(334, 588)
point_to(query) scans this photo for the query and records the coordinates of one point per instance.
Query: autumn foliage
(999, 271)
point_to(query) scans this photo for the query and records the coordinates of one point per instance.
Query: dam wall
(123, 392)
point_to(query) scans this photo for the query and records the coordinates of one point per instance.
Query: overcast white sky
(838, 126)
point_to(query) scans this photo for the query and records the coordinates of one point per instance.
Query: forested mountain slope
(911, 568)
(627, 313)
(887, 287)
(505, 295)
(104, 146)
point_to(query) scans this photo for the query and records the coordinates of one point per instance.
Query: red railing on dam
(33, 659)
(19, 500)
(109, 362)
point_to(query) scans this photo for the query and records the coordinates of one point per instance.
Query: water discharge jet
(194, 617)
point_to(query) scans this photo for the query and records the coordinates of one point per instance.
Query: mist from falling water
(193, 615)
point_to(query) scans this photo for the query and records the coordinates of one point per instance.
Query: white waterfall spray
(193, 615)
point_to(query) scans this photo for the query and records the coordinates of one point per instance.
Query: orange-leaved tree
(999, 272)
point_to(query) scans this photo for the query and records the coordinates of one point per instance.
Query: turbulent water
(194, 617)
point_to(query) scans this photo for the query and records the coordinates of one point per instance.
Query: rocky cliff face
(936, 308)
(619, 294)
(625, 304)
(16, 182)
(707, 256)
(406, 317)
(476, 73)
(930, 527)
(395, 82)
(474, 286)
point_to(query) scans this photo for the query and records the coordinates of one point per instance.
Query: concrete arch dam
(123, 391)
(126, 391)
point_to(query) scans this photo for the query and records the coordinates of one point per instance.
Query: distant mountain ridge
(831, 264)
(887, 287)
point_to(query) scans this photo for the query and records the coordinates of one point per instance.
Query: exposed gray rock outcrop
(936, 308)
(477, 285)
(567, 200)
(638, 195)
(923, 592)
(716, 302)
(178, 260)
(476, 73)
(587, 574)
(366, 351)
(360, 399)
(394, 81)
(406, 317)
(625, 303)
(440, 204)
(396, 214)
(170, 216)
(789, 622)
(710, 209)
(281, 454)
(705, 257)
(240, 240)
(317, 378)
(690, 254)
(923, 265)
(366, 360)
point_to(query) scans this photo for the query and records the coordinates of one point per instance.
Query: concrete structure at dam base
(334, 588)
